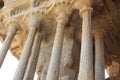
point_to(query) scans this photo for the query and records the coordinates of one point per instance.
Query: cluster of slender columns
(25, 55)
(25, 69)
(86, 71)
(20, 71)
(86, 60)
(53, 70)
(27, 64)
(31, 67)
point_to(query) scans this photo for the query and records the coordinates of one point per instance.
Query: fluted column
(31, 68)
(99, 55)
(53, 70)
(8, 40)
(33, 24)
(86, 60)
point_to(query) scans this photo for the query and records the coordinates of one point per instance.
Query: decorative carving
(12, 23)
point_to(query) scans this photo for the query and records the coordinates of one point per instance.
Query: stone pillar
(6, 45)
(31, 68)
(86, 60)
(53, 70)
(99, 55)
(33, 24)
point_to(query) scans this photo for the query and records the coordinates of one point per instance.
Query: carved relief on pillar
(61, 7)
(35, 17)
(12, 23)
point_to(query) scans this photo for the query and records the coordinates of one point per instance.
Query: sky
(9, 66)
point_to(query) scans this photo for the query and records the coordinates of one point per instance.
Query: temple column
(99, 55)
(31, 68)
(86, 60)
(53, 70)
(6, 44)
(33, 24)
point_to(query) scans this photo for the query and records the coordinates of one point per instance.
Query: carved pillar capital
(12, 30)
(33, 22)
(62, 19)
(63, 10)
(100, 32)
(12, 25)
(35, 18)
(85, 10)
